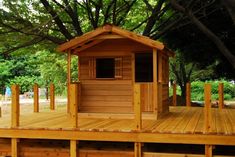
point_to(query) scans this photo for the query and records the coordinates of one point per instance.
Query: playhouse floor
(179, 120)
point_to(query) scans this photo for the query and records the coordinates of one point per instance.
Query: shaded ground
(181, 102)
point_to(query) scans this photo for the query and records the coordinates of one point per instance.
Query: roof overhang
(106, 32)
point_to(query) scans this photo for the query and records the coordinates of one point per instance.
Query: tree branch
(58, 21)
(230, 6)
(215, 39)
(153, 18)
(29, 43)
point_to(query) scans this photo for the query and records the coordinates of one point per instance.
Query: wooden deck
(180, 120)
(181, 126)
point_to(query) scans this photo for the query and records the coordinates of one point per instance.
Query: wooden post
(73, 148)
(207, 108)
(155, 84)
(0, 112)
(137, 107)
(68, 79)
(174, 94)
(188, 94)
(138, 151)
(74, 104)
(160, 105)
(208, 118)
(52, 96)
(36, 98)
(14, 147)
(221, 96)
(208, 150)
(15, 106)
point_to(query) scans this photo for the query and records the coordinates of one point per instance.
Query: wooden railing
(188, 95)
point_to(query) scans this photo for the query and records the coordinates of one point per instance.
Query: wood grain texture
(14, 147)
(221, 95)
(207, 108)
(36, 98)
(155, 82)
(15, 106)
(137, 107)
(174, 94)
(52, 96)
(74, 103)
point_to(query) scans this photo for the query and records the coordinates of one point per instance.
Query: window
(105, 68)
(144, 67)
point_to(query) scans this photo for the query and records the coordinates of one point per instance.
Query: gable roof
(88, 39)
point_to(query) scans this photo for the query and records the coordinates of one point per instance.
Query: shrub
(197, 90)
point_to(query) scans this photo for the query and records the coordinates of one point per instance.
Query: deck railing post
(221, 96)
(188, 94)
(36, 97)
(174, 94)
(137, 107)
(207, 108)
(208, 118)
(68, 79)
(137, 150)
(52, 96)
(15, 106)
(74, 103)
(155, 82)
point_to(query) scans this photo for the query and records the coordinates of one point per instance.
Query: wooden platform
(180, 120)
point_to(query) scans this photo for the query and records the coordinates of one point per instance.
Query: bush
(197, 90)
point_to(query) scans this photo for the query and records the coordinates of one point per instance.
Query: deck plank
(184, 122)
(178, 120)
(220, 126)
(231, 117)
(190, 128)
(200, 125)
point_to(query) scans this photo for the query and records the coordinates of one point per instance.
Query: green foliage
(178, 91)
(197, 90)
(53, 69)
(42, 67)
(25, 82)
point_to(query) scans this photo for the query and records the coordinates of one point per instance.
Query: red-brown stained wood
(155, 82)
(36, 98)
(74, 104)
(137, 107)
(52, 96)
(188, 94)
(208, 151)
(68, 79)
(15, 106)
(137, 150)
(174, 94)
(207, 108)
(221, 95)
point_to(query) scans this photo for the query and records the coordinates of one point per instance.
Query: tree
(189, 8)
(45, 24)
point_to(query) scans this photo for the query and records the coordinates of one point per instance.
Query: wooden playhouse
(111, 61)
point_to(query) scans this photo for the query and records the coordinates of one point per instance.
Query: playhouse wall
(112, 95)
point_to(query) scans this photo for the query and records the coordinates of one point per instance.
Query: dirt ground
(26, 105)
